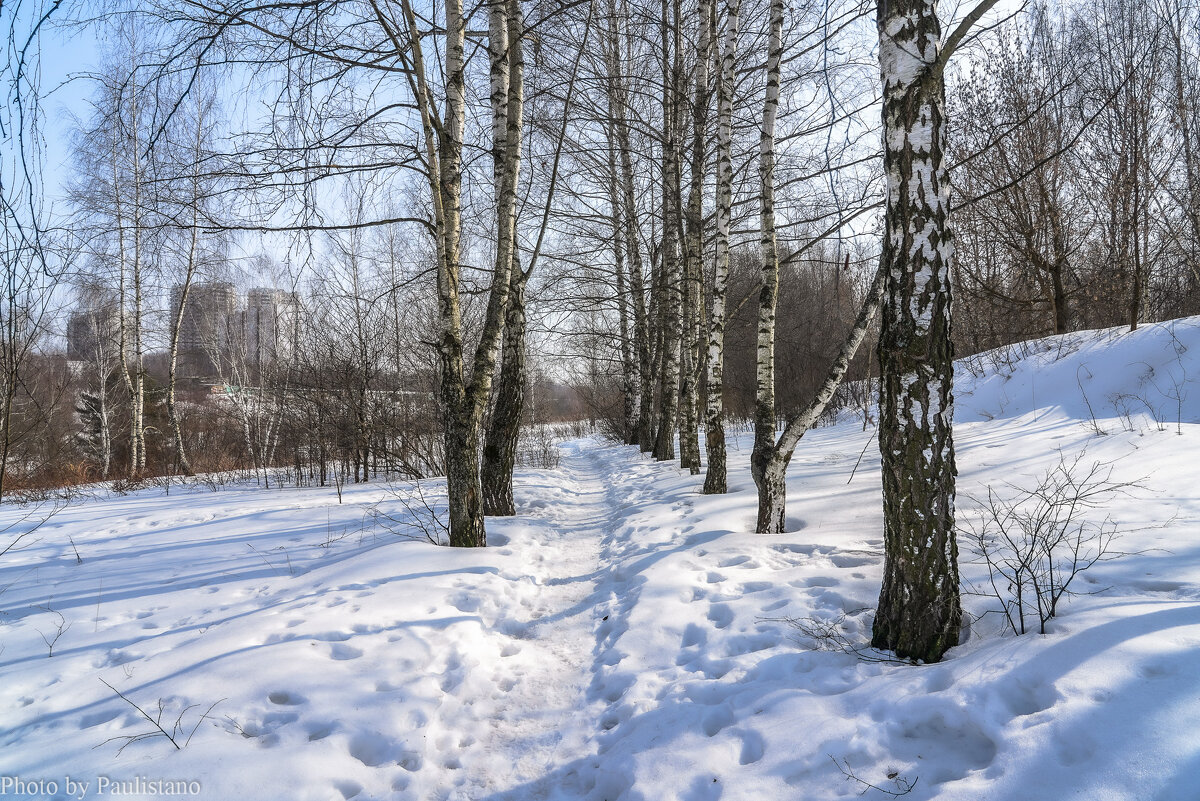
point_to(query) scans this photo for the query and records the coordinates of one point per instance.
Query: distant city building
(93, 334)
(271, 320)
(210, 334)
(216, 332)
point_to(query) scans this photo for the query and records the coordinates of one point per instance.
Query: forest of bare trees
(351, 238)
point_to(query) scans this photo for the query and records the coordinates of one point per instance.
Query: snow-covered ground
(625, 638)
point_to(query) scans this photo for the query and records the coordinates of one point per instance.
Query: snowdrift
(625, 638)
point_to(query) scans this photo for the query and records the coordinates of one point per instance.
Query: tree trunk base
(772, 501)
(715, 479)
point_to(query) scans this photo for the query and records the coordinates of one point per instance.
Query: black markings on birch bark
(462, 402)
(919, 608)
(764, 408)
(671, 300)
(506, 30)
(635, 348)
(715, 481)
(693, 277)
(772, 494)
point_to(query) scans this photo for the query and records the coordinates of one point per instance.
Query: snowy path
(563, 681)
(547, 695)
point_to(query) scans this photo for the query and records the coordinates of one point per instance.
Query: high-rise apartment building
(271, 320)
(211, 331)
(93, 334)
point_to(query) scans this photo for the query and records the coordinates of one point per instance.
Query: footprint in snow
(845, 560)
(740, 645)
(285, 698)
(716, 720)
(1156, 670)
(114, 657)
(319, 730)
(372, 748)
(347, 788)
(343, 653)
(98, 719)
(720, 615)
(1023, 698)
(753, 747)
(693, 635)
(465, 603)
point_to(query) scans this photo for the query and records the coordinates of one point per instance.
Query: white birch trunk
(632, 240)
(715, 477)
(919, 609)
(671, 302)
(503, 432)
(463, 403)
(775, 471)
(693, 278)
(764, 411)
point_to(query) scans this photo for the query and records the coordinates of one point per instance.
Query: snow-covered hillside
(625, 638)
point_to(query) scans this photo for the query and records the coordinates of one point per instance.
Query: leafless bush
(36, 517)
(124, 486)
(162, 482)
(834, 634)
(60, 482)
(1126, 405)
(211, 481)
(173, 735)
(538, 447)
(1036, 540)
(270, 564)
(581, 428)
(52, 637)
(858, 396)
(422, 519)
(1096, 429)
(902, 784)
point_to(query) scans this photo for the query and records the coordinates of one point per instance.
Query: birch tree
(715, 476)
(692, 296)
(764, 407)
(772, 495)
(95, 409)
(631, 234)
(630, 384)
(192, 192)
(670, 302)
(114, 195)
(506, 30)
(919, 608)
(464, 399)
(129, 199)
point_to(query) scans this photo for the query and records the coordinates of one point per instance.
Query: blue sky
(65, 59)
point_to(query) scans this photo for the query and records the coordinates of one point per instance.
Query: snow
(624, 638)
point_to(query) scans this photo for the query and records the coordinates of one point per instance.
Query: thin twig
(903, 787)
